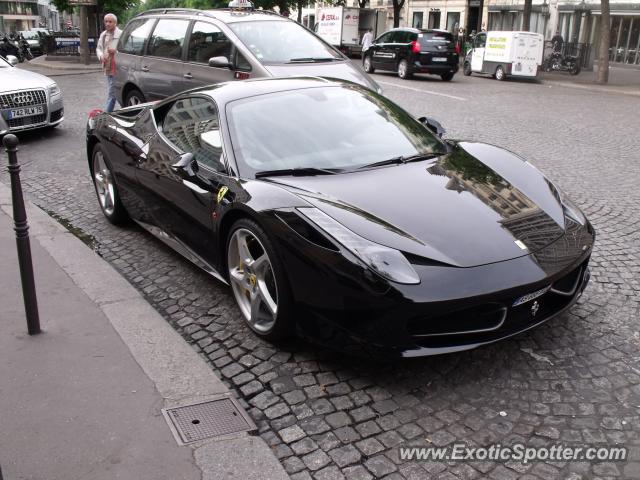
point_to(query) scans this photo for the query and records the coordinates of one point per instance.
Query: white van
(505, 53)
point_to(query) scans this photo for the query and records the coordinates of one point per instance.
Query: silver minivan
(165, 51)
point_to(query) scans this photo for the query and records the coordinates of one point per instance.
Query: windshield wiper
(313, 59)
(402, 159)
(297, 172)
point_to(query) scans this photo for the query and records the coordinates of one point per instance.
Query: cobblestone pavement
(327, 416)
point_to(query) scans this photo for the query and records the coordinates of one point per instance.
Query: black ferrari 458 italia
(332, 212)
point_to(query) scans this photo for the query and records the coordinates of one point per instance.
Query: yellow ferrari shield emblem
(222, 192)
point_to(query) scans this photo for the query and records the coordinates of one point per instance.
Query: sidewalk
(60, 66)
(622, 80)
(83, 399)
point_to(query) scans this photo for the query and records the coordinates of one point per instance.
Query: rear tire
(404, 70)
(368, 64)
(500, 74)
(134, 97)
(447, 77)
(258, 281)
(466, 69)
(575, 69)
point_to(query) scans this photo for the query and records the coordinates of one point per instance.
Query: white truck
(344, 27)
(505, 53)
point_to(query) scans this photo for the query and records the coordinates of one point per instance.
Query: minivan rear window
(134, 36)
(435, 40)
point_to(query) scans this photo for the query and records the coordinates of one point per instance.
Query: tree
(603, 49)
(397, 8)
(526, 15)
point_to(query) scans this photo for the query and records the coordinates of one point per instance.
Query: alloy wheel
(104, 183)
(252, 280)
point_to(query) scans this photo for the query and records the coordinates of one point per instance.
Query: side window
(385, 38)
(401, 37)
(191, 124)
(481, 40)
(242, 63)
(207, 41)
(134, 36)
(168, 38)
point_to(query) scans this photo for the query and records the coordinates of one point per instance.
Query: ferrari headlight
(571, 209)
(386, 262)
(53, 89)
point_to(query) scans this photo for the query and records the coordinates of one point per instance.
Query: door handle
(188, 76)
(145, 68)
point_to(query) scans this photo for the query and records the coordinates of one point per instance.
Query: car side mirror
(13, 60)
(219, 62)
(186, 166)
(433, 125)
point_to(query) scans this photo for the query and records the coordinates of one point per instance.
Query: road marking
(429, 92)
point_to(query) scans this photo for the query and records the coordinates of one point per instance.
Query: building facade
(16, 15)
(578, 21)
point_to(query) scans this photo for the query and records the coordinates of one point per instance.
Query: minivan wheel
(500, 75)
(466, 70)
(447, 77)
(134, 97)
(404, 71)
(368, 65)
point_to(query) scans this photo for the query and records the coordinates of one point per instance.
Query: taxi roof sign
(240, 4)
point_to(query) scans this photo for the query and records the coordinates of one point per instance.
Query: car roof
(225, 15)
(419, 30)
(234, 90)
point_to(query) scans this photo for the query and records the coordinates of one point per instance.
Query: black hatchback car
(412, 50)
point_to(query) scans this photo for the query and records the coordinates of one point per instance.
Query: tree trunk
(603, 49)
(300, 5)
(397, 8)
(526, 15)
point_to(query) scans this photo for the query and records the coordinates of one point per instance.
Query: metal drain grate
(214, 418)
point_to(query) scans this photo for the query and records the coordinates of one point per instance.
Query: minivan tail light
(415, 47)
(94, 113)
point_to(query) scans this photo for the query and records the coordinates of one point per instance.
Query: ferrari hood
(476, 205)
(343, 70)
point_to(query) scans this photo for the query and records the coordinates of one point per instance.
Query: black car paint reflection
(481, 228)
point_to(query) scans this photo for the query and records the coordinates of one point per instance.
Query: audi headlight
(386, 262)
(54, 89)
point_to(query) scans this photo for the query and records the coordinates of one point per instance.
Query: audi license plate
(439, 59)
(26, 112)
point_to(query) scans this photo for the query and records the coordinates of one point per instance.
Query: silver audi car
(27, 100)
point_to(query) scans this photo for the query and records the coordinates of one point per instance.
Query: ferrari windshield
(333, 128)
(277, 41)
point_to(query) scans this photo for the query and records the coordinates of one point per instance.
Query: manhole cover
(214, 418)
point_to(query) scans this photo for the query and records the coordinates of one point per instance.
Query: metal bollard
(21, 228)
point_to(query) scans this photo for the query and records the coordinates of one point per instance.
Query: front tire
(500, 74)
(106, 188)
(368, 64)
(575, 69)
(134, 97)
(258, 281)
(404, 71)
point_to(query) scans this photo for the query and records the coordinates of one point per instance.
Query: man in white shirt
(367, 40)
(106, 52)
